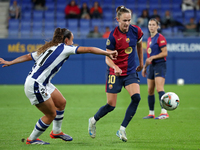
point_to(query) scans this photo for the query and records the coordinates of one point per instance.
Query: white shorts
(36, 92)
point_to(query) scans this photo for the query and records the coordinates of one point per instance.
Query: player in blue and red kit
(156, 60)
(123, 71)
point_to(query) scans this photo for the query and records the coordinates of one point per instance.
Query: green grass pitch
(180, 132)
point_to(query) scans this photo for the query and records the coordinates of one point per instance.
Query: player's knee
(136, 98)
(150, 91)
(109, 107)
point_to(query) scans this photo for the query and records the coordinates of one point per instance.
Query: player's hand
(113, 55)
(144, 72)
(139, 68)
(117, 71)
(6, 63)
(149, 60)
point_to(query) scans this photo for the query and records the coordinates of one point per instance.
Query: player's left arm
(140, 55)
(162, 43)
(20, 59)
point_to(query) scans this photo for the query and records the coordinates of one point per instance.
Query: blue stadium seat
(50, 6)
(37, 15)
(37, 33)
(145, 32)
(109, 23)
(189, 14)
(49, 15)
(27, 14)
(13, 23)
(25, 33)
(167, 32)
(72, 23)
(61, 24)
(60, 7)
(13, 32)
(84, 23)
(96, 22)
(84, 32)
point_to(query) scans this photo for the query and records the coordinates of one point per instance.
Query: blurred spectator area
(41, 23)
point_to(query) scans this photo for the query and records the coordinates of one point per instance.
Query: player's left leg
(48, 109)
(160, 82)
(134, 92)
(60, 103)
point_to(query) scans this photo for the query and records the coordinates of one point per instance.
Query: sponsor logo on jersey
(162, 41)
(128, 50)
(149, 50)
(119, 39)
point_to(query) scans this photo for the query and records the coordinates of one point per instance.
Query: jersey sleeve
(161, 41)
(140, 33)
(71, 49)
(34, 56)
(110, 43)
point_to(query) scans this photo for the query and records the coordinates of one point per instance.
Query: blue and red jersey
(154, 45)
(125, 44)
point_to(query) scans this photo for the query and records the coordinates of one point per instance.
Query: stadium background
(34, 27)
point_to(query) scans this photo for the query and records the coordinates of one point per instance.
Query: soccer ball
(170, 101)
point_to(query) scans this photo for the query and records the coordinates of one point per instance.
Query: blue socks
(161, 93)
(151, 101)
(130, 112)
(103, 111)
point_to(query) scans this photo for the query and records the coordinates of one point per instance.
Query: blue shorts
(157, 70)
(114, 83)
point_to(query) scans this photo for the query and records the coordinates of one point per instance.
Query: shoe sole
(121, 138)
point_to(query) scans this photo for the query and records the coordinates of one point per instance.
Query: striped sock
(57, 122)
(40, 127)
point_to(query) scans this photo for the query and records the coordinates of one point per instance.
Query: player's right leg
(110, 106)
(151, 98)
(60, 103)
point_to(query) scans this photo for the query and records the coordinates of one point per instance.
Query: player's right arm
(20, 59)
(111, 64)
(98, 51)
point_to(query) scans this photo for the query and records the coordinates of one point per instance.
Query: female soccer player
(156, 60)
(122, 72)
(38, 87)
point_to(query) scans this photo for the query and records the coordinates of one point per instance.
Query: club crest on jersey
(128, 50)
(108, 42)
(127, 40)
(149, 51)
(110, 86)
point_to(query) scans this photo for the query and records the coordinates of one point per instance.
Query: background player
(156, 60)
(123, 71)
(38, 87)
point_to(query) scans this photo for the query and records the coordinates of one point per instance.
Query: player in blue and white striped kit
(38, 87)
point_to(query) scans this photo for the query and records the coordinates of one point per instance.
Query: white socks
(93, 120)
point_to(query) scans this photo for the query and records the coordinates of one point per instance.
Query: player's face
(153, 27)
(70, 41)
(124, 21)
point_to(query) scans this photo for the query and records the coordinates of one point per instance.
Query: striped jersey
(125, 44)
(154, 45)
(49, 63)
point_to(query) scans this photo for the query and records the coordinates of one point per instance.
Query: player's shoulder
(160, 36)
